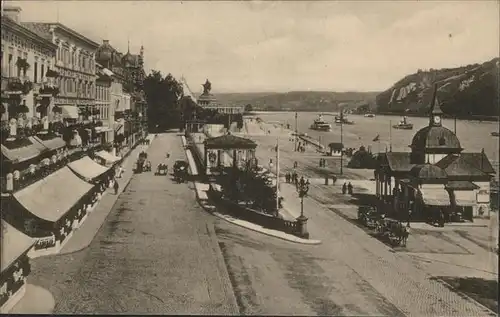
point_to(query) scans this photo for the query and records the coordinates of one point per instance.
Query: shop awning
(21, 154)
(103, 129)
(52, 197)
(87, 168)
(108, 156)
(435, 196)
(465, 197)
(69, 112)
(14, 244)
(461, 185)
(37, 144)
(52, 144)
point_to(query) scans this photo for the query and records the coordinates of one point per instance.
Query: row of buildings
(68, 105)
(66, 77)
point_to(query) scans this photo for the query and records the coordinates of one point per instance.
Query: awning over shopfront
(21, 154)
(435, 196)
(103, 129)
(461, 185)
(465, 198)
(108, 157)
(87, 168)
(51, 144)
(14, 244)
(52, 197)
(37, 144)
(69, 112)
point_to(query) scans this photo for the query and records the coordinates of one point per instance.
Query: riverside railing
(246, 213)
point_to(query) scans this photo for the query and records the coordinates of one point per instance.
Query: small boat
(369, 115)
(321, 125)
(403, 124)
(343, 120)
(494, 134)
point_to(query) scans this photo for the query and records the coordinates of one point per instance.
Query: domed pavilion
(436, 176)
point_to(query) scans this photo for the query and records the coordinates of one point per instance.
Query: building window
(42, 73)
(35, 73)
(10, 65)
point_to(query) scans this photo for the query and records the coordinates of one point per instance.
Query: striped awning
(52, 197)
(435, 196)
(14, 244)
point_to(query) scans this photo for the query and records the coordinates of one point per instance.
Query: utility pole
(296, 131)
(390, 136)
(277, 174)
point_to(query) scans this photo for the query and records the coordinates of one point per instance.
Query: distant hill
(299, 100)
(464, 92)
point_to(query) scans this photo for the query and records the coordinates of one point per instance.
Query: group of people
(347, 188)
(292, 178)
(322, 162)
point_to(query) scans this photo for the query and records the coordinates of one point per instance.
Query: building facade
(126, 94)
(437, 179)
(103, 110)
(75, 64)
(26, 58)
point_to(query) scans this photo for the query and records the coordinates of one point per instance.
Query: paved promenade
(86, 233)
(156, 253)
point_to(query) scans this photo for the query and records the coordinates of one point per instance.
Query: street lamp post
(341, 140)
(296, 131)
(303, 189)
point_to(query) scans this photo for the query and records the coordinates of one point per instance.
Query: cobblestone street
(159, 252)
(154, 254)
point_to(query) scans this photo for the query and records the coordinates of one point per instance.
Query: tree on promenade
(163, 95)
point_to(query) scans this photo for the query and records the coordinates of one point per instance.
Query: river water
(473, 135)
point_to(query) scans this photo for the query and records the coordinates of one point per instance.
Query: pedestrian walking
(349, 188)
(344, 188)
(116, 186)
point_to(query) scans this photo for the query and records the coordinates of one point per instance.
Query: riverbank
(478, 118)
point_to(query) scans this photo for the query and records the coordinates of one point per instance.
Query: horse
(161, 169)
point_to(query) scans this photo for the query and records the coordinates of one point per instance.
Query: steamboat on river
(403, 124)
(320, 125)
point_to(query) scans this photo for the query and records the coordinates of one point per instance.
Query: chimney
(13, 13)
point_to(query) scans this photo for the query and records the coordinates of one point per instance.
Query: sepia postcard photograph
(294, 158)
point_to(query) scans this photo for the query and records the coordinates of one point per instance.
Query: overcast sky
(284, 46)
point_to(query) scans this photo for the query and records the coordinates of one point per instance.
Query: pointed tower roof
(435, 106)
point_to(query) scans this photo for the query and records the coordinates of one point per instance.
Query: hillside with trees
(298, 100)
(464, 92)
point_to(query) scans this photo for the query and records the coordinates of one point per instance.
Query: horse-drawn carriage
(161, 169)
(142, 164)
(368, 216)
(385, 228)
(393, 230)
(180, 171)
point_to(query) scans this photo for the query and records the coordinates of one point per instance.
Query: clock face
(437, 119)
